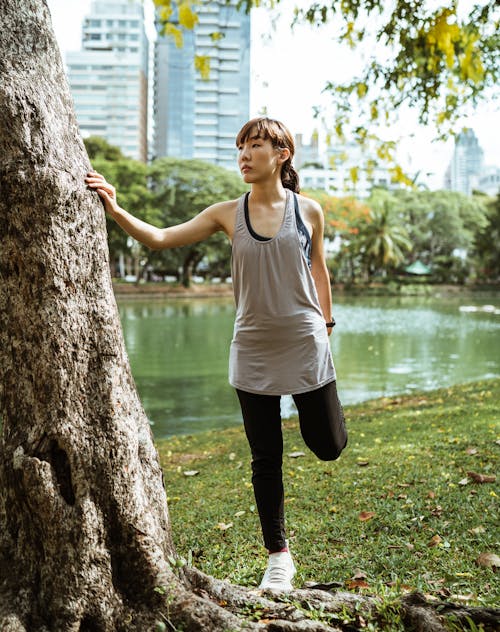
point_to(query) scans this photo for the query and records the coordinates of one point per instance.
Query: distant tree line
(455, 236)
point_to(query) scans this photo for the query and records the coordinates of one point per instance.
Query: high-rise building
(109, 77)
(196, 117)
(489, 180)
(307, 154)
(341, 168)
(466, 164)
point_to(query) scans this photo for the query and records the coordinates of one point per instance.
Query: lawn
(410, 505)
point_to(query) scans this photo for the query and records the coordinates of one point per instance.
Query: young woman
(283, 315)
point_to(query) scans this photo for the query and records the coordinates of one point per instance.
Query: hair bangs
(266, 129)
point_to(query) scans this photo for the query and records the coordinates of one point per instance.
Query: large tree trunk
(84, 525)
(84, 532)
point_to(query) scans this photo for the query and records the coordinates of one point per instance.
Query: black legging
(323, 428)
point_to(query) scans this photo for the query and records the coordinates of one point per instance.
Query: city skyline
(288, 82)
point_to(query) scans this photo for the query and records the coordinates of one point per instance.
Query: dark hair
(280, 137)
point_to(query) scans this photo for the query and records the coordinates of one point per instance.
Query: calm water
(179, 349)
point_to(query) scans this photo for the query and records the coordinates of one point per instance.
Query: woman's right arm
(197, 229)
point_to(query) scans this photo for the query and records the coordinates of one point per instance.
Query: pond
(382, 346)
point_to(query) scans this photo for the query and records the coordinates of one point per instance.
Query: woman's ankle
(282, 550)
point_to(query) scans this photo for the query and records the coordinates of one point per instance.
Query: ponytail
(289, 177)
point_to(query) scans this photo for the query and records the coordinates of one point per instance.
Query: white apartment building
(108, 78)
(341, 169)
(488, 181)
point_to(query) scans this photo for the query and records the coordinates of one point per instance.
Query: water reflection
(179, 350)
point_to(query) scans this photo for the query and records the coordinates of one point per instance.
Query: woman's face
(258, 160)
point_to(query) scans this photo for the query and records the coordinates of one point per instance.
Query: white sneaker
(279, 572)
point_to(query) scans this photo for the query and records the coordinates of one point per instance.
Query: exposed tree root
(212, 604)
(425, 616)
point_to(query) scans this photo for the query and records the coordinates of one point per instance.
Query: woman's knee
(329, 450)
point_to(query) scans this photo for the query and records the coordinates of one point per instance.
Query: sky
(289, 71)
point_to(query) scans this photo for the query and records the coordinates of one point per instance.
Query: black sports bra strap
(304, 236)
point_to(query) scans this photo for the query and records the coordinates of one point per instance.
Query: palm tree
(382, 240)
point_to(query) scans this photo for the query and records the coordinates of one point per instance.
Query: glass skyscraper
(109, 77)
(466, 164)
(196, 117)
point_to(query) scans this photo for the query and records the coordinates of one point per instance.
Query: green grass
(406, 462)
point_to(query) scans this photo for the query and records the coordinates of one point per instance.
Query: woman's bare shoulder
(227, 206)
(224, 214)
(309, 207)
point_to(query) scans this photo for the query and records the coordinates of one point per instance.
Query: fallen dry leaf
(437, 582)
(191, 472)
(295, 455)
(366, 515)
(359, 575)
(464, 481)
(435, 540)
(357, 583)
(431, 494)
(477, 530)
(468, 597)
(482, 478)
(471, 451)
(362, 463)
(488, 560)
(223, 526)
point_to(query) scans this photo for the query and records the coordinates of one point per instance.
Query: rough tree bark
(84, 530)
(84, 524)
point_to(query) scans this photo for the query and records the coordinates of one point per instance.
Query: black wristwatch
(331, 323)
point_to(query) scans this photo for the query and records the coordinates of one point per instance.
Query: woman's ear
(284, 154)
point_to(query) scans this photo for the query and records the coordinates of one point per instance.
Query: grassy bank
(397, 512)
(392, 288)
(171, 290)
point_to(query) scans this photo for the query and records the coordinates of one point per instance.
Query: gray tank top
(280, 344)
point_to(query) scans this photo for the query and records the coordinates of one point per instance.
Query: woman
(283, 315)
